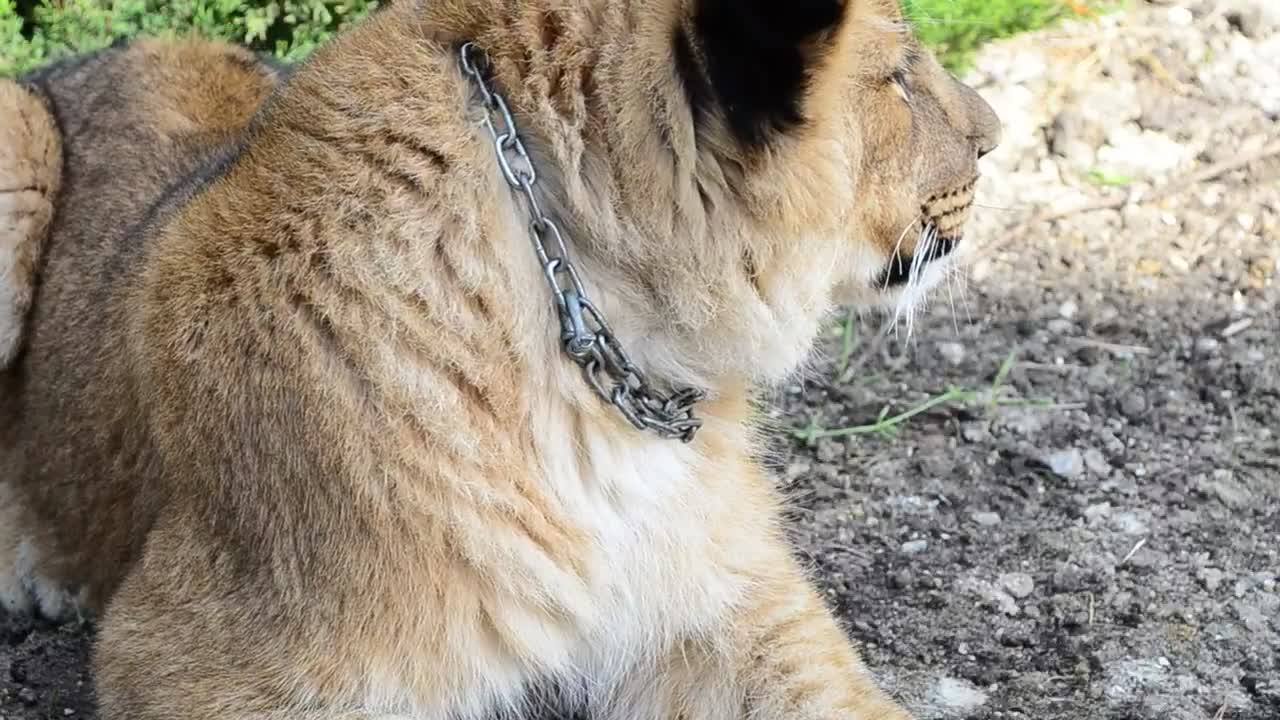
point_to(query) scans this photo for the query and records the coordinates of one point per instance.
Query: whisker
(951, 299)
(997, 207)
(897, 248)
(964, 294)
(924, 249)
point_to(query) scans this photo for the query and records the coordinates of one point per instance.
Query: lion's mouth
(942, 223)
(932, 246)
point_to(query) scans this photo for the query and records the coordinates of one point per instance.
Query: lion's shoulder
(93, 145)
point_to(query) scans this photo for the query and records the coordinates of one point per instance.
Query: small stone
(1180, 16)
(1129, 523)
(1251, 615)
(1097, 510)
(1096, 463)
(1227, 489)
(68, 712)
(975, 432)
(952, 352)
(1003, 601)
(1207, 345)
(1058, 326)
(1211, 578)
(902, 579)
(1066, 463)
(1068, 310)
(914, 547)
(27, 696)
(958, 695)
(1020, 585)
(987, 519)
(1133, 404)
(1020, 421)
(1135, 153)
(1068, 578)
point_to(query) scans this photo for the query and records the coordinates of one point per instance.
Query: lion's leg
(23, 587)
(30, 174)
(173, 644)
(14, 596)
(782, 656)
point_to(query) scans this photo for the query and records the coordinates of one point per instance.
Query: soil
(1080, 516)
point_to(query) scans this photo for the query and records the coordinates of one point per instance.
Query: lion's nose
(986, 128)
(987, 147)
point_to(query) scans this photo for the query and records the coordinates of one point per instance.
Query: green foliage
(36, 31)
(956, 28)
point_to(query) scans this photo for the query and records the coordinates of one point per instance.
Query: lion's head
(730, 169)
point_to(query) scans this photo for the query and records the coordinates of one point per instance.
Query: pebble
(1066, 463)
(1058, 326)
(1180, 16)
(1068, 578)
(958, 695)
(1003, 601)
(1133, 404)
(902, 579)
(1211, 578)
(952, 352)
(27, 696)
(914, 547)
(1097, 510)
(1096, 462)
(1142, 153)
(1019, 584)
(986, 519)
(1228, 490)
(975, 432)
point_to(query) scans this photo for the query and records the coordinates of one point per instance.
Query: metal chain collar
(584, 334)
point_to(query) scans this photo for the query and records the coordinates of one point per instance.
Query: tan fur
(30, 172)
(301, 427)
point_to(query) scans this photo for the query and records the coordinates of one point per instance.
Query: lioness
(420, 384)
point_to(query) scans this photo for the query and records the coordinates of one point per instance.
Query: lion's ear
(754, 61)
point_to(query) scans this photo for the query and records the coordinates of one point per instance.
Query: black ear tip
(796, 18)
(758, 60)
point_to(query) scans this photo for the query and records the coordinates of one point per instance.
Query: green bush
(956, 28)
(36, 31)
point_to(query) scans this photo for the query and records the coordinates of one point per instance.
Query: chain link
(584, 334)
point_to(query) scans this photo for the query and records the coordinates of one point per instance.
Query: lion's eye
(899, 82)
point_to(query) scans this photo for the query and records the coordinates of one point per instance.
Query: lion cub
(419, 384)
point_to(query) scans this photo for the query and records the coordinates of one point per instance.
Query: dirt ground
(1080, 518)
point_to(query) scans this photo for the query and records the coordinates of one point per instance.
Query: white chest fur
(602, 548)
(652, 557)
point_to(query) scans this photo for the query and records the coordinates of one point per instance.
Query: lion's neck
(450, 257)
